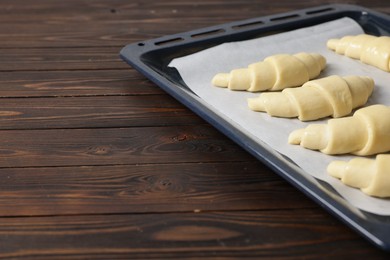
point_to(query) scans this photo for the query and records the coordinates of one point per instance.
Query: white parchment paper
(198, 69)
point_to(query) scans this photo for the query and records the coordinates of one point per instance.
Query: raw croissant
(331, 96)
(369, 49)
(367, 132)
(274, 73)
(372, 176)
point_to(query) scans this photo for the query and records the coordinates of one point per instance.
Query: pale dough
(276, 72)
(372, 176)
(369, 49)
(367, 132)
(330, 96)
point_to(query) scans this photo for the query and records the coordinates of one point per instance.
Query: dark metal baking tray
(152, 57)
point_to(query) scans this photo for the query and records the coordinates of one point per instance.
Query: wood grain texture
(94, 112)
(97, 162)
(75, 83)
(144, 188)
(115, 23)
(232, 235)
(99, 23)
(49, 59)
(108, 146)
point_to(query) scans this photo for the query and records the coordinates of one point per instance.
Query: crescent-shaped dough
(369, 49)
(330, 96)
(372, 176)
(367, 132)
(276, 72)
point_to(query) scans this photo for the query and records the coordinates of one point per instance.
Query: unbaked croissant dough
(331, 96)
(276, 72)
(367, 132)
(372, 176)
(369, 49)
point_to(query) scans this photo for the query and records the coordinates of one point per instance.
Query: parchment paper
(198, 69)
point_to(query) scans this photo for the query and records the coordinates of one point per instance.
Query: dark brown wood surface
(98, 162)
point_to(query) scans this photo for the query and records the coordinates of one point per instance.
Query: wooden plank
(110, 146)
(75, 83)
(283, 234)
(92, 112)
(17, 11)
(48, 59)
(98, 23)
(76, 11)
(145, 189)
(86, 34)
(81, 11)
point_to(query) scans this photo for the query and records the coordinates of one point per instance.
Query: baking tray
(152, 57)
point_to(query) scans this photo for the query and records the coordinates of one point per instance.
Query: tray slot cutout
(286, 17)
(207, 33)
(246, 25)
(318, 11)
(169, 41)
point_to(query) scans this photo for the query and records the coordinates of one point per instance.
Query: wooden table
(98, 162)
